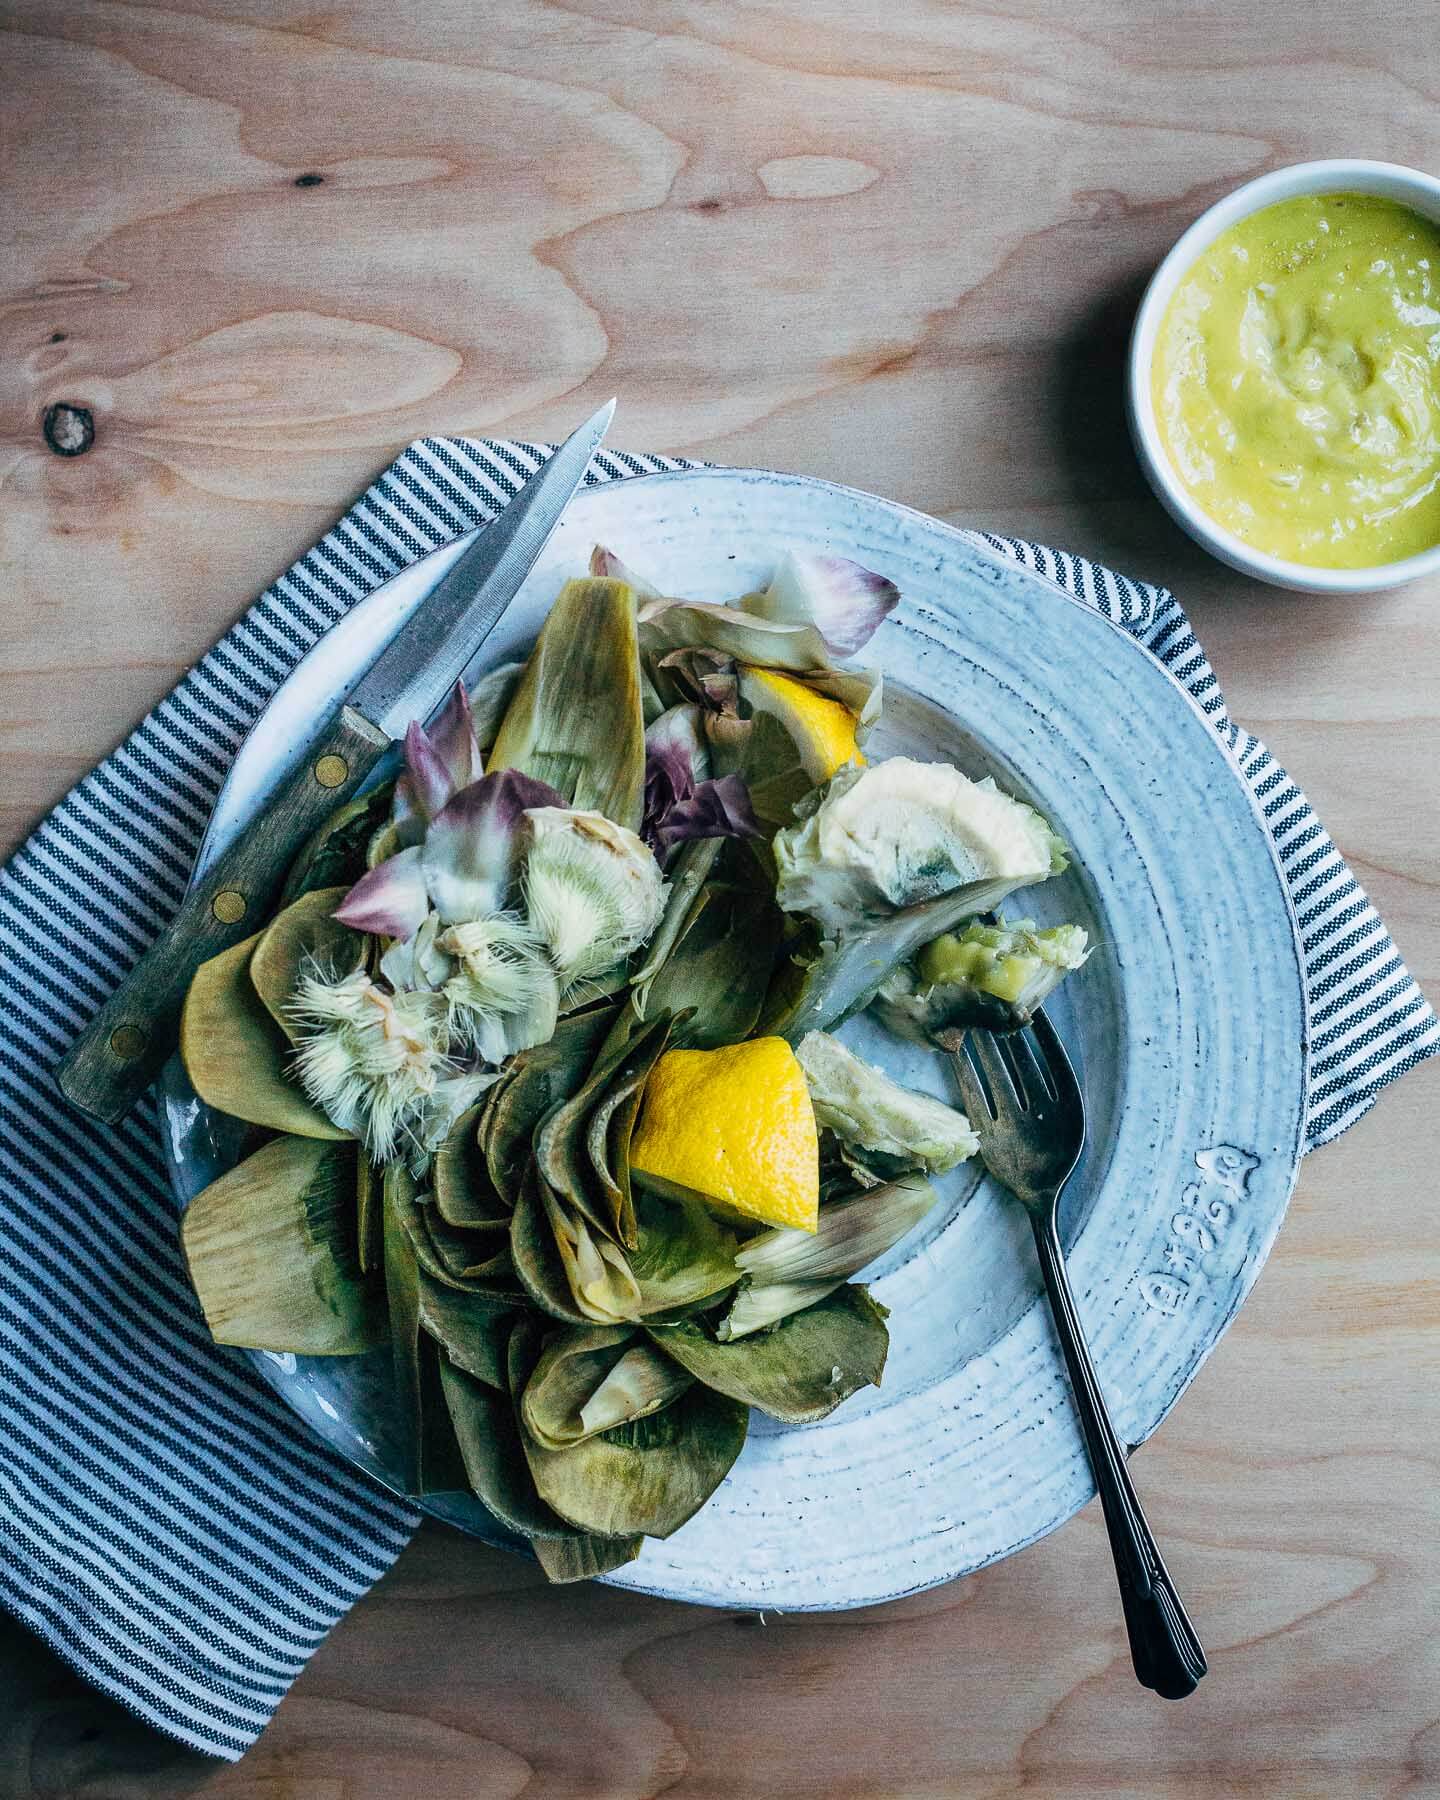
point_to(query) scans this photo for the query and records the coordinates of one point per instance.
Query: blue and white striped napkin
(165, 1523)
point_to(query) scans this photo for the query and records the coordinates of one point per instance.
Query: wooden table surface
(894, 242)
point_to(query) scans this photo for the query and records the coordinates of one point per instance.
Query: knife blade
(121, 1050)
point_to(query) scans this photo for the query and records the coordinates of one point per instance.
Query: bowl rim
(1394, 181)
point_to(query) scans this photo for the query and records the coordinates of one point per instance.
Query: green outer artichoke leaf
(469, 1262)
(838, 976)
(235, 1054)
(536, 1255)
(465, 1196)
(429, 1456)
(538, 1079)
(580, 1557)
(612, 1124)
(301, 938)
(369, 1222)
(797, 1371)
(649, 1476)
(472, 1329)
(684, 1254)
(576, 719)
(495, 1465)
(592, 1380)
(272, 1253)
(720, 968)
(562, 1141)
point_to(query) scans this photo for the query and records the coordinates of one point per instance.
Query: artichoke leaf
(561, 1142)
(758, 1304)
(334, 856)
(272, 1253)
(369, 1224)
(236, 1055)
(536, 1256)
(900, 1127)
(684, 1254)
(798, 1371)
(471, 1263)
(490, 701)
(493, 1454)
(611, 1125)
(592, 1380)
(303, 939)
(649, 1476)
(583, 1556)
(596, 1271)
(472, 1329)
(465, 1196)
(576, 718)
(669, 625)
(827, 979)
(463, 1256)
(848, 1235)
(429, 1457)
(538, 1079)
(719, 971)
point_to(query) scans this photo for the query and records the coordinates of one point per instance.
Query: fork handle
(1166, 1653)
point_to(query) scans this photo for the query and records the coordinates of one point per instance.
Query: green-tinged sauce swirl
(1296, 381)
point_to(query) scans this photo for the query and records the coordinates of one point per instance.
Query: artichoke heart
(900, 832)
(984, 978)
(866, 1109)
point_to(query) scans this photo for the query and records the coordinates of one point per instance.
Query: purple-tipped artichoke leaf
(472, 849)
(430, 782)
(846, 603)
(605, 565)
(454, 738)
(390, 900)
(719, 807)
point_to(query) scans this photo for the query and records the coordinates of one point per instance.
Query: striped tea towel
(165, 1523)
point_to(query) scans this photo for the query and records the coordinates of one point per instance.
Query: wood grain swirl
(897, 245)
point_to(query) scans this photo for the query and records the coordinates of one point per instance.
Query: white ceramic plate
(1187, 1023)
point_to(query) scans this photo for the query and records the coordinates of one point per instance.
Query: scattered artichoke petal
(846, 603)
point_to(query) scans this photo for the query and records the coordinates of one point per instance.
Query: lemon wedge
(823, 729)
(734, 1126)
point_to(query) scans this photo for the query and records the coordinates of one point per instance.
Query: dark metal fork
(1025, 1104)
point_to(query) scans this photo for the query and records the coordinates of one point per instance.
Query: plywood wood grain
(898, 245)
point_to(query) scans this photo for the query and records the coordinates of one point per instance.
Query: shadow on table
(1102, 485)
(60, 1740)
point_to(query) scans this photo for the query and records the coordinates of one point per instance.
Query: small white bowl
(1337, 176)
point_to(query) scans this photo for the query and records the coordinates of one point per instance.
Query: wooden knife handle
(122, 1049)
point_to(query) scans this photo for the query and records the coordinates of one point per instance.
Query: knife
(121, 1050)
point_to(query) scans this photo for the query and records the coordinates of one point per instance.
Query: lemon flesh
(736, 1127)
(823, 729)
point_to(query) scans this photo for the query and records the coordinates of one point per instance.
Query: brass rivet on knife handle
(128, 1042)
(124, 1046)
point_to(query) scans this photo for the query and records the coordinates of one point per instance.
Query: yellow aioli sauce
(1296, 381)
